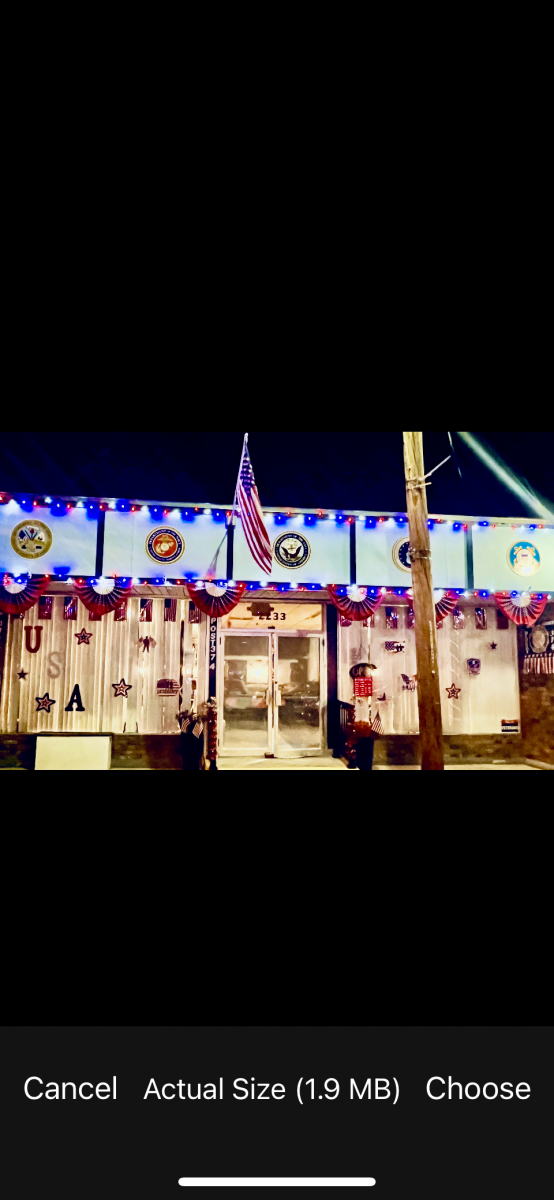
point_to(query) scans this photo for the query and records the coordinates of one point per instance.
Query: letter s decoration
(38, 635)
(54, 668)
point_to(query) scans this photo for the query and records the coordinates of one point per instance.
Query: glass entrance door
(270, 694)
(297, 695)
(247, 705)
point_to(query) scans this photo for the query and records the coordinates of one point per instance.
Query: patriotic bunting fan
(355, 603)
(214, 600)
(522, 610)
(18, 597)
(445, 606)
(103, 596)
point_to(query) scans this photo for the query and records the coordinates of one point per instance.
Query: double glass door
(271, 693)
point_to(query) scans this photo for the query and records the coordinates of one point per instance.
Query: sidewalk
(325, 763)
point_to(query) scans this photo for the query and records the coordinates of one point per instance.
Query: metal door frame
(272, 635)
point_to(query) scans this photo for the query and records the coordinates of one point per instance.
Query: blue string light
(483, 522)
(370, 522)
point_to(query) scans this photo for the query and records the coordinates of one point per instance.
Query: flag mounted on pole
(248, 505)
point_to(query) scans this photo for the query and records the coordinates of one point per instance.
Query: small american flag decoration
(168, 687)
(391, 618)
(145, 610)
(377, 725)
(70, 608)
(45, 608)
(458, 619)
(170, 610)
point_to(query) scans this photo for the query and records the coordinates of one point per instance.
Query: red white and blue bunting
(446, 605)
(214, 599)
(524, 609)
(103, 596)
(18, 597)
(355, 602)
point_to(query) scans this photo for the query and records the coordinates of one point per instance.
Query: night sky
(337, 470)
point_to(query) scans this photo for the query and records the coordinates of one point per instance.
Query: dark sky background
(338, 470)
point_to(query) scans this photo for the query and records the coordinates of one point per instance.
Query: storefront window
(482, 665)
(154, 659)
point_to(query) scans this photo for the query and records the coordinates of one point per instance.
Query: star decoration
(493, 645)
(147, 642)
(44, 702)
(22, 674)
(83, 636)
(121, 688)
(453, 692)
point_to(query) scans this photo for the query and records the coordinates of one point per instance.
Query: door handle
(279, 697)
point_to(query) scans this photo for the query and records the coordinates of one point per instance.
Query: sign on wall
(382, 555)
(46, 544)
(138, 545)
(506, 559)
(318, 553)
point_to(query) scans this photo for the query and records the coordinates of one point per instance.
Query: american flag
(251, 513)
(170, 610)
(377, 724)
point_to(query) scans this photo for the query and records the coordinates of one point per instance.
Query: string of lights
(59, 505)
(341, 589)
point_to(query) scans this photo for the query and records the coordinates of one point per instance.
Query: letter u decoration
(29, 630)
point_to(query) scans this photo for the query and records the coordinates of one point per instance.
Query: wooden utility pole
(428, 693)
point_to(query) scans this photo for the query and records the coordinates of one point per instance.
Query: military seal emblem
(524, 558)
(291, 550)
(401, 554)
(31, 539)
(164, 545)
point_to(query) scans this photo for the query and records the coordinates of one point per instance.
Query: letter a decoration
(75, 698)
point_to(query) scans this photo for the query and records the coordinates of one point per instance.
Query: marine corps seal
(164, 545)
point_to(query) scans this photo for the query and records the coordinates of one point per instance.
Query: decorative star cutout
(493, 645)
(22, 674)
(83, 636)
(44, 702)
(121, 688)
(453, 692)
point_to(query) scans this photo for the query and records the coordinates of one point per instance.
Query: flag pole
(238, 477)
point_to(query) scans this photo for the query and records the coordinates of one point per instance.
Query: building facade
(116, 615)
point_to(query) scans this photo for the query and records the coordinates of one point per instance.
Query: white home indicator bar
(286, 1181)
